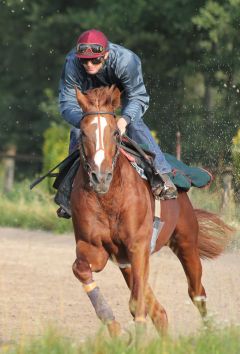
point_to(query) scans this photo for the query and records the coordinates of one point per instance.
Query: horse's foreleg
(139, 277)
(89, 259)
(155, 310)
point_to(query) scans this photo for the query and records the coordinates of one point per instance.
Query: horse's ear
(115, 96)
(82, 99)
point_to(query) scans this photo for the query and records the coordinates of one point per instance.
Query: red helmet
(91, 44)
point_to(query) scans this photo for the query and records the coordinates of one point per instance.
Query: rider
(96, 62)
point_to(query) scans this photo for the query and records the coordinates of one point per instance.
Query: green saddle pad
(185, 177)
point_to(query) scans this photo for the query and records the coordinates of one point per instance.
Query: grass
(221, 341)
(33, 209)
(211, 200)
(36, 209)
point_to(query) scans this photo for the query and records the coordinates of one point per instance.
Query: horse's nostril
(95, 178)
(109, 177)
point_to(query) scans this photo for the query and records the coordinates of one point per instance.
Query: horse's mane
(99, 97)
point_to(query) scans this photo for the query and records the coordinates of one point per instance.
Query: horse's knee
(82, 270)
(133, 307)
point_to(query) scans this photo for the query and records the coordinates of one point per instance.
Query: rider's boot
(61, 213)
(169, 188)
(166, 190)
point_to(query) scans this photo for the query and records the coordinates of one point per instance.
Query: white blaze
(99, 157)
(100, 154)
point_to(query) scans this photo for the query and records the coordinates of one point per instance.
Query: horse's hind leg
(89, 259)
(155, 310)
(184, 245)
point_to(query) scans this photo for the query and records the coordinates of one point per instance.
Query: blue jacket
(122, 68)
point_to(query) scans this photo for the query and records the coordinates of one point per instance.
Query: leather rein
(87, 167)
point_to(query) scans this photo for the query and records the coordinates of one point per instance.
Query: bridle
(87, 167)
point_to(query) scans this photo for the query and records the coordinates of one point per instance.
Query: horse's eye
(116, 133)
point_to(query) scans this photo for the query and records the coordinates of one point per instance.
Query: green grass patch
(31, 209)
(211, 200)
(226, 340)
(35, 209)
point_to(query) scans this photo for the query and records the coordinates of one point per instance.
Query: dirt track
(37, 288)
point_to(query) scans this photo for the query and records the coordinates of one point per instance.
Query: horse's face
(99, 137)
(99, 133)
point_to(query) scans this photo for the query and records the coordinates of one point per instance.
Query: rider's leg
(139, 132)
(74, 138)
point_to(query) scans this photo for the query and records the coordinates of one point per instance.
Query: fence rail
(9, 159)
(21, 157)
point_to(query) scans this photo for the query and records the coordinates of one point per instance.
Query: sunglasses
(89, 48)
(94, 61)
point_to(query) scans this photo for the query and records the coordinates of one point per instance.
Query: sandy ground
(37, 288)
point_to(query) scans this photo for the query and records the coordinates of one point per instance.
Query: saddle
(141, 159)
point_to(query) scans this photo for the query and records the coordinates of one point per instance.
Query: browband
(94, 113)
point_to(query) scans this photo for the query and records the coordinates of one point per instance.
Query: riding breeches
(139, 132)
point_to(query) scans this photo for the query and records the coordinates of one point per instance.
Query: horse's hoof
(114, 328)
(140, 327)
(141, 335)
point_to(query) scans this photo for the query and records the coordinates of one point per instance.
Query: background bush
(236, 158)
(55, 148)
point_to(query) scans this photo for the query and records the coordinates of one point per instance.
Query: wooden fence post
(228, 205)
(9, 168)
(178, 145)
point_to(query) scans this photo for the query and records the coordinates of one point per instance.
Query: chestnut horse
(113, 210)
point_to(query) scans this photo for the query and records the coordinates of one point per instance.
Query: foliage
(55, 148)
(190, 55)
(215, 341)
(31, 209)
(35, 209)
(236, 157)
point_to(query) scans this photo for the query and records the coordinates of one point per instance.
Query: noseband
(83, 156)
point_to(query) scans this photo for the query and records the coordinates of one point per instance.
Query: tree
(189, 52)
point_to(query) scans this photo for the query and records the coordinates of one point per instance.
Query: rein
(87, 167)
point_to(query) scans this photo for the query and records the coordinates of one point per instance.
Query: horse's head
(99, 135)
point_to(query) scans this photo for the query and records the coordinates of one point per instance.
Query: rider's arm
(135, 97)
(71, 76)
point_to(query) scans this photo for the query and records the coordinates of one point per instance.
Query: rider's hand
(122, 123)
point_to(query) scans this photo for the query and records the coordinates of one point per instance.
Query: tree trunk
(9, 168)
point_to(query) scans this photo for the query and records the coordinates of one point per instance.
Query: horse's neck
(125, 177)
(122, 172)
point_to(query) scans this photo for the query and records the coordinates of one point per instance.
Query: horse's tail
(213, 236)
